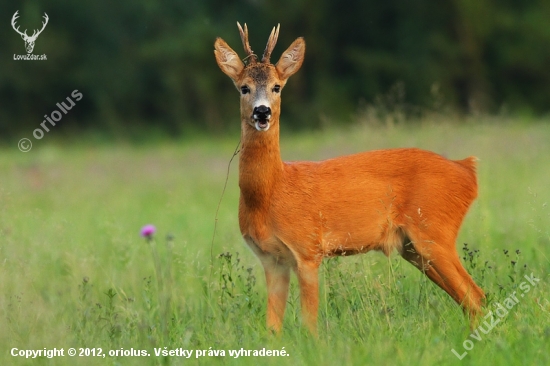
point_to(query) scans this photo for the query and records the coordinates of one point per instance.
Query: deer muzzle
(261, 115)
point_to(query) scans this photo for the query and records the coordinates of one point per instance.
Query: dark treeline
(141, 63)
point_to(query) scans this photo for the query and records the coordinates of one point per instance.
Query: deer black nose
(261, 112)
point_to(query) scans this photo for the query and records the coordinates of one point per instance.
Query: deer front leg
(277, 277)
(308, 279)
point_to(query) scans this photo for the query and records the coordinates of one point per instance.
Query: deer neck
(260, 165)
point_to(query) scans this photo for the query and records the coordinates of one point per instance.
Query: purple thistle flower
(148, 230)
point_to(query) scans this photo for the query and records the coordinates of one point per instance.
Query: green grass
(74, 271)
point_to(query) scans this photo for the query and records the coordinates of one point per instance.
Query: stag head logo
(29, 40)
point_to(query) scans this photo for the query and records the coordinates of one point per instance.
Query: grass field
(74, 271)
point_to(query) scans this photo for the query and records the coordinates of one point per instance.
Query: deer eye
(245, 89)
(276, 88)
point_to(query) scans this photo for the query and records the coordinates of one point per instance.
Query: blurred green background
(147, 67)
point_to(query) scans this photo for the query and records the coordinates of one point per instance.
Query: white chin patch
(262, 125)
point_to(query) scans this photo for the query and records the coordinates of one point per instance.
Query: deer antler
(13, 20)
(271, 43)
(24, 34)
(244, 37)
(43, 26)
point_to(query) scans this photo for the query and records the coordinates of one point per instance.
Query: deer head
(29, 40)
(259, 82)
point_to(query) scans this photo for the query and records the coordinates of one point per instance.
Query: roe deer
(292, 214)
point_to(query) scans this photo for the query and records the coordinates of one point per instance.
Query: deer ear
(227, 59)
(291, 59)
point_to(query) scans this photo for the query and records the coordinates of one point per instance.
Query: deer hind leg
(440, 262)
(277, 276)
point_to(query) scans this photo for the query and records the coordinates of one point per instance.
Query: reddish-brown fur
(294, 214)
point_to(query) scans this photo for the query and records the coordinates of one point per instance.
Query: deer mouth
(261, 116)
(261, 124)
